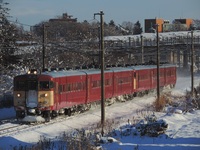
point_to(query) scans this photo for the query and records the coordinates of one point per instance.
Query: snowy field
(183, 132)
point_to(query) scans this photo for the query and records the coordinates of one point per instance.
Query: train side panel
(94, 85)
(171, 76)
(162, 77)
(71, 91)
(123, 82)
(143, 80)
(109, 84)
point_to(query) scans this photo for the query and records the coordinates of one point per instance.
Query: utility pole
(192, 64)
(142, 48)
(158, 64)
(43, 47)
(102, 70)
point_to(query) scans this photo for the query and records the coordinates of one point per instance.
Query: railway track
(11, 127)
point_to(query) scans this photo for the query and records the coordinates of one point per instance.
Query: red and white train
(52, 92)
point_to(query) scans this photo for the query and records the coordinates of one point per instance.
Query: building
(166, 26)
(150, 25)
(65, 18)
(188, 22)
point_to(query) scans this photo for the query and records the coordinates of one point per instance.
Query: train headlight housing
(32, 71)
(45, 95)
(18, 95)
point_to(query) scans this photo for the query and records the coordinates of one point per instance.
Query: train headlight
(45, 95)
(29, 72)
(18, 95)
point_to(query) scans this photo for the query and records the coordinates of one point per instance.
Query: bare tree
(8, 36)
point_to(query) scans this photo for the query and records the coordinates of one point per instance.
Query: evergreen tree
(112, 23)
(137, 28)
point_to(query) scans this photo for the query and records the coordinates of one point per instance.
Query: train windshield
(32, 85)
(26, 85)
(20, 85)
(46, 84)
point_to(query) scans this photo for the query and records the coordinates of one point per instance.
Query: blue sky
(32, 12)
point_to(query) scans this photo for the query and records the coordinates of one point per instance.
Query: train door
(56, 94)
(32, 94)
(134, 81)
(152, 78)
(88, 88)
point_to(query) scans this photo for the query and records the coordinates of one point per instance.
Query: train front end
(33, 95)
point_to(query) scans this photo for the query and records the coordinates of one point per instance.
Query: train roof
(83, 72)
(120, 69)
(142, 67)
(95, 71)
(62, 73)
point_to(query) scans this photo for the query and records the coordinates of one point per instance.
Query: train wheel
(68, 112)
(146, 92)
(135, 94)
(54, 114)
(20, 114)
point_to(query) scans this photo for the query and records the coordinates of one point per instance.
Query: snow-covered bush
(160, 103)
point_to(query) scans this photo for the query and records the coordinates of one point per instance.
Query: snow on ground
(6, 113)
(183, 132)
(152, 36)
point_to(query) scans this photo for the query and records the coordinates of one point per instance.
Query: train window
(168, 73)
(96, 84)
(75, 87)
(83, 85)
(124, 80)
(69, 87)
(46, 84)
(108, 82)
(51, 84)
(20, 85)
(79, 86)
(143, 77)
(60, 88)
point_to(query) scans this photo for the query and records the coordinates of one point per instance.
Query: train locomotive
(50, 93)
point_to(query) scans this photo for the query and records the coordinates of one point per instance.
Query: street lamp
(102, 70)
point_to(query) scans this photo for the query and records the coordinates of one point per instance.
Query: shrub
(160, 103)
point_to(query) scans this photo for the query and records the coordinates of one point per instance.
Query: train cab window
(46, 84)
(19, 85)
